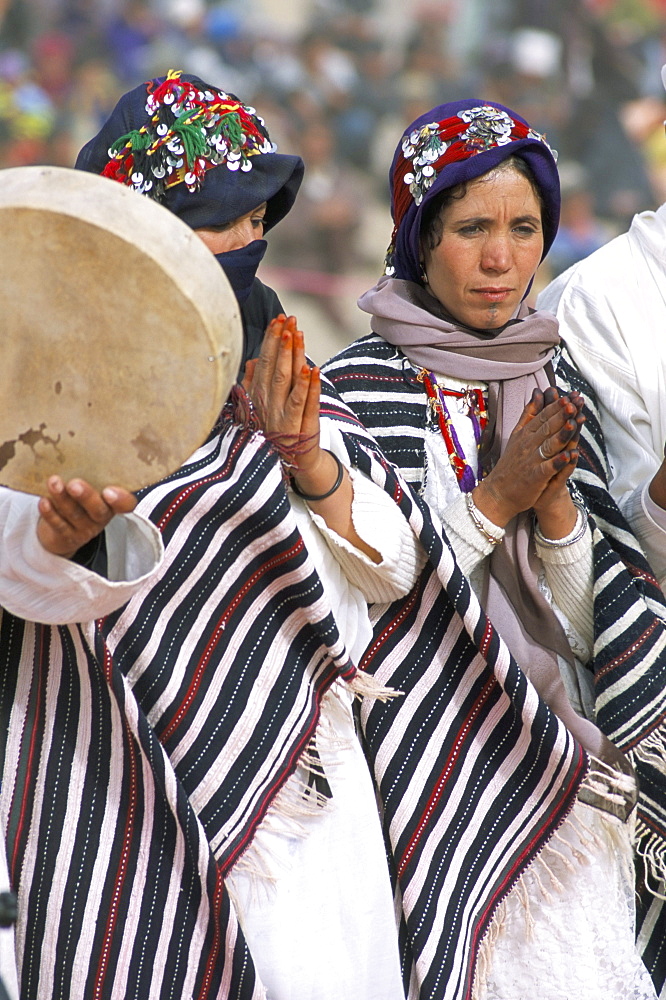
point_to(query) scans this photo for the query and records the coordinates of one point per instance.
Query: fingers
(533, 409)
(277, 369)
(286, 370)
(542, 450)
(77, 501)
(558, 426)
(311, 409)
(276, 362)
(271, 342)
(538, 401)
(305, 397)
(549, 423)
(541, 422)
(73, 513)
(120, 501)
(298, 349)
(248, 375)
(553, 445)
(565, 462)
(280, 385)
(258, 380)
(293, 347)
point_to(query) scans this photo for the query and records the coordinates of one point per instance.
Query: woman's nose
(496, 254)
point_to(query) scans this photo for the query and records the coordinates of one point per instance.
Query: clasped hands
(285, 392)
(532, 473)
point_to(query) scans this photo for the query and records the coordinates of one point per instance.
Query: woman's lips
(493, 294)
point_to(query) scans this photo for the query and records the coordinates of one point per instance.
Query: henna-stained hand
(285, 392)
(539, 457)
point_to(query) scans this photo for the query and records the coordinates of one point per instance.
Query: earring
(423, 275)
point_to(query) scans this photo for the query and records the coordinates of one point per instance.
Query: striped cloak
(629, 665)
(142, 752)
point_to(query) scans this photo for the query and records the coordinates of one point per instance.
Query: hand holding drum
(74, 513)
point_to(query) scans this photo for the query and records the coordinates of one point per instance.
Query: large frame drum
(120, 334)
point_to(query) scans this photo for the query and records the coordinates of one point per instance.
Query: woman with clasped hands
(470, 394)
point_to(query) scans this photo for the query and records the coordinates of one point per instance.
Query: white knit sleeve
(648, 522)
(381, 524)
(570, 575)
(469, 544)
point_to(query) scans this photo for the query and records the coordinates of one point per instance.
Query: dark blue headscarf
(449, 145)
(221, 194)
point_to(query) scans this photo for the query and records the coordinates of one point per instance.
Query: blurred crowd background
(337, 81)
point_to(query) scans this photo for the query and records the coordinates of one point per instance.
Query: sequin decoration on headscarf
(190, 130)
(450, 145)
(164, 137)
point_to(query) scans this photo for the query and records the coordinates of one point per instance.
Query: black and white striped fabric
(629, 664)
(142, 753)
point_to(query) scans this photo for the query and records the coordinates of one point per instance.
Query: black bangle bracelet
(322, 496)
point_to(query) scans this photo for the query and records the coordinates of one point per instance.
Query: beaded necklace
(477, 411)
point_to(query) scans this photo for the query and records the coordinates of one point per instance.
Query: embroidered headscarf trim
(190, 130)
(430, 146)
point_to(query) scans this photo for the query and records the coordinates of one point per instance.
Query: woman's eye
(525, 230)
(469, 230)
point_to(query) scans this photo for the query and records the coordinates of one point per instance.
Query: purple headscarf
(449, 145)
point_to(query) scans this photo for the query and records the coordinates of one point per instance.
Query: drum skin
(121, 336)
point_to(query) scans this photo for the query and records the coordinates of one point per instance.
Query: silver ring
(546, 458)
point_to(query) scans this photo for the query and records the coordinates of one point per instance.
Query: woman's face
(236, 234)
(491, 245)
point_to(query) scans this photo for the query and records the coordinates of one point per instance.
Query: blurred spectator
(328, 69)
(15, 25)
(198, 39)
(53, 61)
(596, 135)
(371, 98)
(322, 241)
(129, 36)
(27, 115)
(431, 74)
(531, 78)
(94, 92)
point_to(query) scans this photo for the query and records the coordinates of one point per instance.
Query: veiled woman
(231, 209)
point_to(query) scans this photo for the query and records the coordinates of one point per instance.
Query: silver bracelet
(562, 543)
(475, 514)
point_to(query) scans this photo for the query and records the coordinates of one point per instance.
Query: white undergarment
(566, 931)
